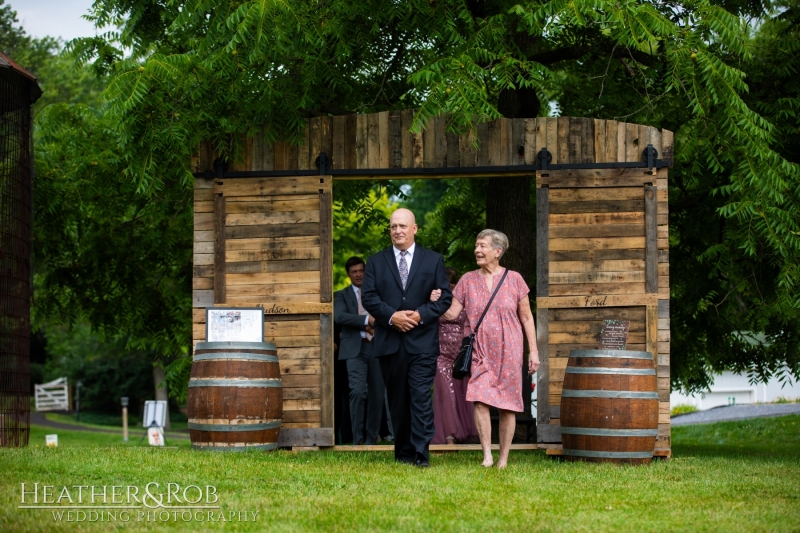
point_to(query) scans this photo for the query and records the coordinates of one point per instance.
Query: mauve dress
(452, 414)
(497, 357)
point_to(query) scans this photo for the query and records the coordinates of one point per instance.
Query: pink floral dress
(497, 358)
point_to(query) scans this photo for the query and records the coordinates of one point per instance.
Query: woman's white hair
(497, 238)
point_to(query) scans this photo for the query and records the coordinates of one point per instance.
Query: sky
(56, 18)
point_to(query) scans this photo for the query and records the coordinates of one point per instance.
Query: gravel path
(40, 420)
(736, 412)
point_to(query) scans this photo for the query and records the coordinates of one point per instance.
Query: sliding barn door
(267, 242)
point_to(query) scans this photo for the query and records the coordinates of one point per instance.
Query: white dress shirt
(366, 317)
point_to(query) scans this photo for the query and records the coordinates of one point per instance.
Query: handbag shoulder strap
(475, 330)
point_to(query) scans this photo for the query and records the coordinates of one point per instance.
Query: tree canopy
(718, 72)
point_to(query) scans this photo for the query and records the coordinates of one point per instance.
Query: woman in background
(453, 415)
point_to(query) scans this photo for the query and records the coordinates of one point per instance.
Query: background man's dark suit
(364, 373)
(408, 360)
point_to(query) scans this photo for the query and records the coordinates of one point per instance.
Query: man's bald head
(403, 228)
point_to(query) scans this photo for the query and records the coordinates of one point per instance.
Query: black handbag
(462, 366)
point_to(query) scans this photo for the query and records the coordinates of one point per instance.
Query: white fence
(729, 388)
(53, 396)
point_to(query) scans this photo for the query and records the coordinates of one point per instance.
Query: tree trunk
(508, 210)
(162, 394)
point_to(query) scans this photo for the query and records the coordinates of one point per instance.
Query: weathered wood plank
(596, 300)
(274, 217)
(622, 265)
(467, 151)
(596, 277)
(611, 141)
(600, 140)
(272, 230)
(272, 255)
(634, 314)
(272, 278)
(305, 437)
(219, 249)
(269, 205)
(326, 245)
(597, 255)
(590, 194)
(395, 140)
(652, 331)
(651, 240)
(326, 370)
(304, 291)
(278, 307)
(563, 135)
(596, 289)
(597, 206)
(597, 230)
(531, 127)
(580, 219)
(362, 141)
(270, 186)
(605, 177)
(598, 243)
(542, 241)
(266, 243)
(339, 142)
(543, 375)
(373, 141)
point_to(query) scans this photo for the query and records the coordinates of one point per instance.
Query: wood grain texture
(326, 370)
(542, 241)
(219, 249)
(326, 245)
(651, 243)
(543, 375)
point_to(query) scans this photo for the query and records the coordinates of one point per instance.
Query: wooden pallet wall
(602, 253)
(382, 141)
(602, 243)
(262, 243)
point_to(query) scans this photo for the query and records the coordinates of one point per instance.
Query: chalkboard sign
(614, 334)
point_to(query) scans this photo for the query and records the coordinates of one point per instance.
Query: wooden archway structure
(263, 237)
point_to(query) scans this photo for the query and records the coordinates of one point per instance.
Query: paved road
(736, 412)
(40, 420)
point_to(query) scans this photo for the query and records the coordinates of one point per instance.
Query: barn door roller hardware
(324, 167)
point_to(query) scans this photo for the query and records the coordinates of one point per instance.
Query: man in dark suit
(396, 291)
(355, 347)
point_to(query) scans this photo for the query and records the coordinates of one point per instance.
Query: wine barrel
(609, 406)
(235, 400)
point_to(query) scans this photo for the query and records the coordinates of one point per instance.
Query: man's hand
(370, 330)
(371, 320)
(404, 321)
(415, 316)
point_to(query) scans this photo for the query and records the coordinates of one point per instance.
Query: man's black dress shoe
(423, 463)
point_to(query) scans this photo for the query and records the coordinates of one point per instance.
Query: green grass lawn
(733, 476)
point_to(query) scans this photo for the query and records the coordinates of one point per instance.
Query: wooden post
(651, 239)
(219, 249)
(124, 424)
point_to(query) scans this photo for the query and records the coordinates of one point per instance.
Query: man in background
(356, 348)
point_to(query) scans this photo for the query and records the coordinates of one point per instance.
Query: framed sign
(234, 324)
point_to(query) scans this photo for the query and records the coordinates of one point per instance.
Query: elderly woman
(496, 379)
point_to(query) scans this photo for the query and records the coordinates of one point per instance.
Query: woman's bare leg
(508, 423)
(484, 424)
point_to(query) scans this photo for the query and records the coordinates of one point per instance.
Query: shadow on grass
(768, 438)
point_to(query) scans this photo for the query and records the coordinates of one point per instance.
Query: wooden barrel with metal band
(235, 400)
(609, 406)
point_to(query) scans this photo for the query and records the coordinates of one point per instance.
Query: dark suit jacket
(345, 313)
(382, 294)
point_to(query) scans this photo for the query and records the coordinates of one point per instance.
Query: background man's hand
(371, 320)
(370, 330)
(403, 321)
